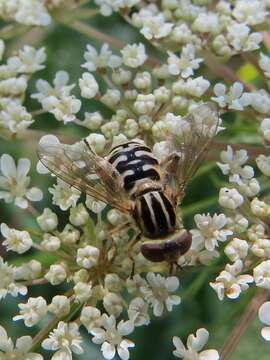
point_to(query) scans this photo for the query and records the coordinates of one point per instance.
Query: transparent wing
(80, 167)
(188, 146)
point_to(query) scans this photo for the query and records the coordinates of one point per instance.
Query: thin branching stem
(243, 324)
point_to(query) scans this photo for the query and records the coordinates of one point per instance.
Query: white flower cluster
(14, 77)
(226, 29)
(26, 12)
(136, 109)
(140, 97)
(195, 344)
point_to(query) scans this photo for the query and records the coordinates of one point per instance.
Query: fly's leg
(135, 240)
(111, 243)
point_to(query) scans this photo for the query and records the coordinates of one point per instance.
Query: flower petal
(264, 311)
(197, 342)
(23, 168)
(266, 333)
(108, 350)
(180, 347)
(209, 355)
(34, 194)
(8, 167)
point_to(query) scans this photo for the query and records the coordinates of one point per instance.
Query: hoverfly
(132, 180)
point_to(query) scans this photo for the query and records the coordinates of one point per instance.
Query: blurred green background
(200, 306)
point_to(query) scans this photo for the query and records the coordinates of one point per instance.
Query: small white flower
(195, 343)
(264, 63)
(87, 256)
(161, 150)
(155, 27)
(65, 340)
(94, 205)
(102, 60)
(261, 274)
(135, 284)
(90, 317)
(93, 120)
(134, 55)
(8, 284)
(261, 248)
(81, 275)
(185, 64)
(235, 98)
(158, 291)
(28, 271)
(97, 142)
(231, 282)
(112, 282)
(110, 129)
(263, 163)
(233, 165)
(15, 118)
(21, 350)
(207, 23)
(121, 76)
(18, 241)
(48, 220)
(230, 198)
(144, 103)
(111, 98)
(33, 311)
(236, 249)
(82, 291)
(265, 129)
(30, 60)
(78, 215)
(111, 337)
(260, 208)
(57, 100)
(88, 85)
(13, 86)
(32, 12)
(238, 223)
(142, 80)
(251, 12)
(210, 229)
(256, 232)
(113, 304)
(64, 195)
(69, 235)
(196, 87)
(56, 274)
(264, 316)
(107, 7)
(131, 128)
(260, 101)
(241, 38)
(60, 305)
(50, 243)
(15, 182)
(138, 312)
(115, 217)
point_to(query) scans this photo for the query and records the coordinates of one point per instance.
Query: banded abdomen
(135, 162)
(155, 214)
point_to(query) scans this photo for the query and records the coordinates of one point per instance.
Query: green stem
(12, 30)
(92, 33)
(243, 323)
(224, 71)
(42, 334)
